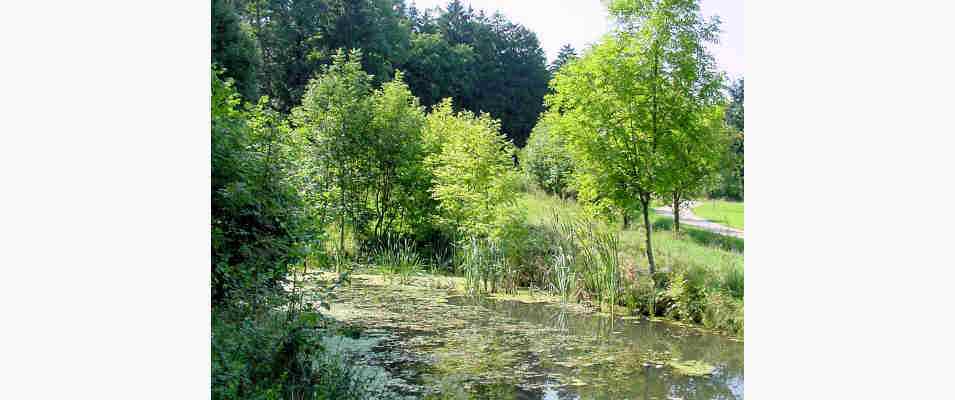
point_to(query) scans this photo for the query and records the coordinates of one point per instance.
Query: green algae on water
(471, 344)
(691, 368)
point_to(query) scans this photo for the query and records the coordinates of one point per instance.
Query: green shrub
(546, 162)
(732, 280)
(258, 217)
(262, 356)
(723, 312)
(640, 296)
(474, 179)
(277, 351)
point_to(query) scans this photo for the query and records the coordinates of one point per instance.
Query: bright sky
(580, 22)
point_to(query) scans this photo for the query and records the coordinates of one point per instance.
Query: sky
(580, 22)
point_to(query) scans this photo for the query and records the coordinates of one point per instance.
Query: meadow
(725, 212)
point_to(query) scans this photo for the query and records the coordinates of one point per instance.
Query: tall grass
(564, 275)
(487, 267)
(397, 259)
(699, 281)
(586, 252)
(607, 268)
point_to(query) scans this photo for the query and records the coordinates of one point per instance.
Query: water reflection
(475, 348)
(611, 351)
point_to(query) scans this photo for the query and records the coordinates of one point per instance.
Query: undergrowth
(267, 343)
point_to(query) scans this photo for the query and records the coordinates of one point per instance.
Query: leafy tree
(487, 63)
(734, 113)
(257, 224)
(291, 36)
(368, 150)
(564, 56)
(545, 160)
(437, 69)
(401, 183)
(734, 116)
(335, 119)
(622, 102)
(377, 27)
(507, 77)
(298, 37)
(694, 156)
(730, 183)
(233, 49)
(475, 182)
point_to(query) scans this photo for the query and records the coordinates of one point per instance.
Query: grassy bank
(729, 213)
(576, 259)
(695, 245)
(701, 273)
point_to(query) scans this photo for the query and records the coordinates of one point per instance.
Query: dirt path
(688, 218)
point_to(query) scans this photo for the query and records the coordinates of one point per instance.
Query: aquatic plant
(606, 245)
(397, 259)
(589, 253)
(691, 367)
(472, 260)
(563, 275)
(486, 267)
(484, 342)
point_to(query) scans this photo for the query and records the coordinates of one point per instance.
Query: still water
(441, 345)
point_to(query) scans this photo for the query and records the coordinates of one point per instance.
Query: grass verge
(729, 213)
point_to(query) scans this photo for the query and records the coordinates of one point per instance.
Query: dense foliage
(731, 174)
(258, 219)
(439, 69)
(694, 156)
(351, 158)
(485, 62)
(388, 135)
(546, 161)
(298, 37)
(475, 180)
(233, 49)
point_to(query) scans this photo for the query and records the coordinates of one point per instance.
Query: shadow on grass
(703, 237)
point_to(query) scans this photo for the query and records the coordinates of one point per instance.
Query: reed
(564, 276)
(487, 267)
(398, 259)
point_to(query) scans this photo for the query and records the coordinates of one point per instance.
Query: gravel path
(688, 218)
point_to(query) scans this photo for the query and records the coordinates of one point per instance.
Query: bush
(273, 346)
(723, 312)
(732, 281)
(701, 294)
(546, 162)
(687, 290)
(474, 179)
(258, 218)
(640, 295)
(262, 355)
(534, 254)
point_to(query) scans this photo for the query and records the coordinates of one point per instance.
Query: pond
(436, 343)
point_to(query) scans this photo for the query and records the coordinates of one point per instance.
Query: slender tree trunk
(645, 201)
(341, 220)
(626, 220)
(676, 212)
